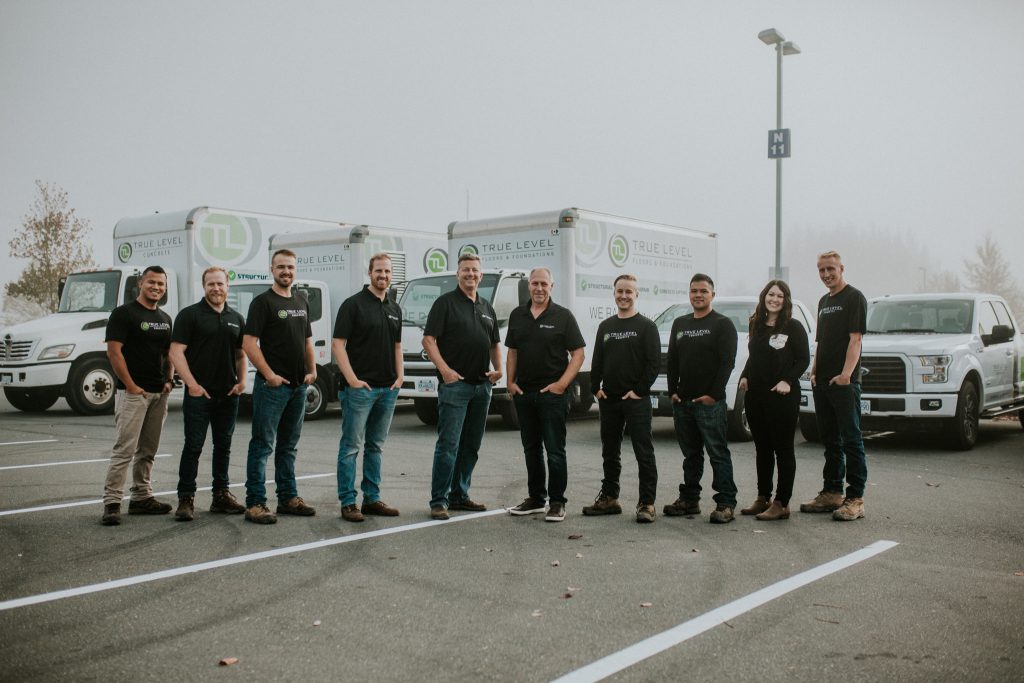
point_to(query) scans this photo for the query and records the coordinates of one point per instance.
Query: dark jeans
(277, 415)
(616, 414)
(838, 411)
(702, 428)
(461, 420)
(200, 413)
(772, 418)
(542, 419)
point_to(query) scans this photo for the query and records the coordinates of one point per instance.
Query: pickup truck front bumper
(35, 375)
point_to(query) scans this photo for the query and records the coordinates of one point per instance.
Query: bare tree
(55, 241)
(942, 281)
(991, 272)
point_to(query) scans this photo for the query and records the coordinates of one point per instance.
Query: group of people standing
(209, 342)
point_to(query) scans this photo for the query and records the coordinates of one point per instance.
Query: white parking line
(649, 647)
(227, 562)
(68, 462)
(18, 443)
(99, 501)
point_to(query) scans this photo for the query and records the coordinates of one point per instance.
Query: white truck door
(996, 358)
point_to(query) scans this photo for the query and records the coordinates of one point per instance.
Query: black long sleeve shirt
(777, 355)
(626, 355)
(701, 356)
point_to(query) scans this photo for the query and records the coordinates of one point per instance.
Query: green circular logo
(655, 289)
(145, 327)
(583, 285)
(618, 250)
(435, 261)
(232, 275)
(469, 249)
(124, 252)
(282, 314)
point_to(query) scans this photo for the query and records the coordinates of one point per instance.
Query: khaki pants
(139, 421)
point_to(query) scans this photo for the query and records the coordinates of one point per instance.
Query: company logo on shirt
(692, 333)
(829, 310)
(546, 327)
(146, 327)
(393, 317)
(487, 317)
(618, 336)
(293, 312)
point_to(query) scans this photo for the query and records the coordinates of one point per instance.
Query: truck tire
(962, 431)
(581, 399)
(809, 428)
(91, 387)
(316, 399)
(32, 400)
(426, 410)
(739, 430)
(509, 416)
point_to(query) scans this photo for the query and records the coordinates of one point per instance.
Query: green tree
(991, 272)
(54, 241)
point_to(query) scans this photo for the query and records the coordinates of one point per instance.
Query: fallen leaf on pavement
(566, 596)
(760, 531)
(571, 589)
(555, 563)
(1018, 573)
(694, 550)
(316, 623)
(646, 604)
(579, 556)
(575, 537)
(228, 661)
(489, 550)
(536, 613)
(928, 483)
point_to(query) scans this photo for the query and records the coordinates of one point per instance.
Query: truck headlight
(938, 366)
(57, 352)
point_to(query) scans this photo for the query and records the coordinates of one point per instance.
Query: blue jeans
(461, 420)
(201, 413)
(365, 421)
(616, 415)
(837, 408)
(542, 420)
(277, 414)
(702, 428)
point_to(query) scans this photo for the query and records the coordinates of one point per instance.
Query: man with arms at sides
(545, 352)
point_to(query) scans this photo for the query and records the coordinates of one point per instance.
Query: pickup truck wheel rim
(970, 426)
(97, 387)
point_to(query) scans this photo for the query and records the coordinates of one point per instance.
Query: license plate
(865, 407)
(654, 402)
(6, 378)
(427, 385)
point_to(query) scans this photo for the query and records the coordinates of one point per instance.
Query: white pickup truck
(936, 361)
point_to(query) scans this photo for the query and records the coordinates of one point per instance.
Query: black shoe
(530, 506)
(556, 513)
(111, 514)
(148, 506)
(682, 508)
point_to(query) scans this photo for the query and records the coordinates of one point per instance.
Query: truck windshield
(420, 295)
(240, 296)
(95, 291)
(738, 312)
(936, 316)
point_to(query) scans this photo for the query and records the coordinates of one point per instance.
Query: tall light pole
(778, 139)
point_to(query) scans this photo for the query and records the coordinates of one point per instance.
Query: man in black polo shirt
(279, 342)
(368, 346)
(206, 351)
(461, 339)
(138, 336)
(545, 352)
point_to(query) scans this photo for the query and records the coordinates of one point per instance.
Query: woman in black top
(771, 378)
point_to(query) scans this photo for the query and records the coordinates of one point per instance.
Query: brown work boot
(186, 509)
(111, 514)
(681, 508)
(603, 505)
(350, 513)
(825, 501)
(260, 514)
(438, 512)
(644, 513)
(467, 505)
(721, 515)
(379, 508)
(851, 509)
(148, 506)
(226, 503)
(759, 505)
(775, 512)
(295, 506)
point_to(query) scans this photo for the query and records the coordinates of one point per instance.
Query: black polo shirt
(211, 341)
(145, 337)
(838, 316)
(465, 331)
(282, 326)
(371, 328)
(542, 344)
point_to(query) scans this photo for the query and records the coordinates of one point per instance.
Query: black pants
(772, 418)
(615, 415)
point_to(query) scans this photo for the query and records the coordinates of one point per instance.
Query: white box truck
(332, 265)
(586, 251)
(63, 354)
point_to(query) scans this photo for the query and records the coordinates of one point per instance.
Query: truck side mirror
(60, 287)
(524, 291)
(1000, 334)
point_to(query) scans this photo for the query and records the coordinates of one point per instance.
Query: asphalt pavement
(489, 597)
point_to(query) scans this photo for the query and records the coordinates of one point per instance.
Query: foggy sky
(906, 117)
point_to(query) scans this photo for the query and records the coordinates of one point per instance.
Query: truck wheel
(91, 387)
(316, 399)
(963, 430)
(809, 427)
(509, 416)
(581, 398)
(426, 410)
(32, 400)
(739, 430)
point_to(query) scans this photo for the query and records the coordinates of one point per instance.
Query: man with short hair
(138, 336)
(627, 352)
(206, 351)
(835, 378)
(461, 339)
(368, 346)
(545, 352)
(279, 342)
(701, 356)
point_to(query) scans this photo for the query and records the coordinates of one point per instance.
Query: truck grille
(15, 350)
(883, 375)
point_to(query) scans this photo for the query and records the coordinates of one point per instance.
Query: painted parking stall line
(19, 443)
(230, 561)
(68, 462)
(623, 659)
(99, 501)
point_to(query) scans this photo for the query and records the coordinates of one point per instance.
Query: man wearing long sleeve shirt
(701, 356)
